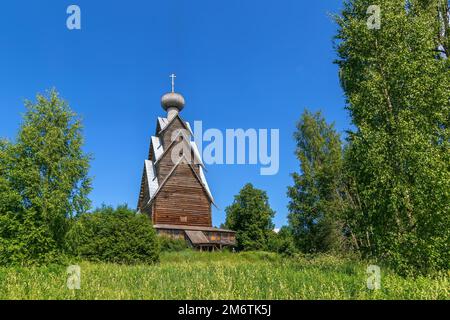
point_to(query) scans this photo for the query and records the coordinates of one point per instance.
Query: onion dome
(172, 100)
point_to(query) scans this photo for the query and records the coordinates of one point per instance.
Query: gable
(181, 175)
(184, 176)
(162, 124)
(175, 124)
(164, 157)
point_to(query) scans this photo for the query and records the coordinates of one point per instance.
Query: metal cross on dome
(173, 76)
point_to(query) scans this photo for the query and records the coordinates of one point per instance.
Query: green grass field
(222, 275)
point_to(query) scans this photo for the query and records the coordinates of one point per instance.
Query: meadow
(220, 275)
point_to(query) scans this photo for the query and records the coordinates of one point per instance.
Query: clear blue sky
(239, 64)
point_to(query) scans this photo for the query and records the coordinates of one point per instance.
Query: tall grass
(220, 275)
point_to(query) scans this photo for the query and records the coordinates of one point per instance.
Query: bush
(282, 242)
(172, 245)
(114, 235)
(25, 242)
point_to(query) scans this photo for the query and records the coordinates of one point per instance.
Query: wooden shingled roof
(197, 237)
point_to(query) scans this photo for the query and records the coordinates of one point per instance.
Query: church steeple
(174, 191)
(172, 102)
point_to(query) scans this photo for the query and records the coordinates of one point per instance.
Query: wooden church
(174, 191)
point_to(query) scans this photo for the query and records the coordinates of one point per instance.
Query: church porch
(201, 238)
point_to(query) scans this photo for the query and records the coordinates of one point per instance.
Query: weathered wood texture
(218, 237)
(182, 200)
(174, 126)
(144, 196)
(165, 164)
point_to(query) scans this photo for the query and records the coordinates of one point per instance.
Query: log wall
(183, 201)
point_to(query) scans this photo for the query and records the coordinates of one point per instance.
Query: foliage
(114, 235)
(250, 216)
(396, 80)
(282, 242)
(168, 244)
(221, 276)
(316, 200)
(43, 181)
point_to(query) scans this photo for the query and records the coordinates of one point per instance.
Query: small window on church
(183, 219)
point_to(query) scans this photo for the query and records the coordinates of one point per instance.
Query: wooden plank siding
(165, 164)
(182, 200)
(144, 196)
(176, 124)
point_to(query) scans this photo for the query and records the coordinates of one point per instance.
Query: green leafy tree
(250, 216)
(114, 235)
(396, 80)
(282, 241)
(316, 201)
(43, 181)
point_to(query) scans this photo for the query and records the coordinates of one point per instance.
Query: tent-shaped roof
(158, 150)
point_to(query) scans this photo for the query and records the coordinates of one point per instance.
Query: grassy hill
(220, 275)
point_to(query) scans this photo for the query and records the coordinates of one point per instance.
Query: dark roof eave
(196, 228)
